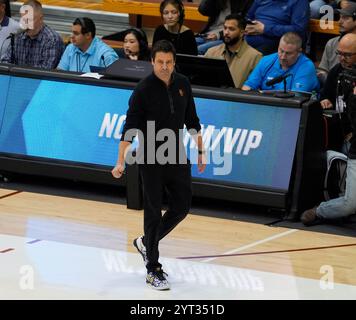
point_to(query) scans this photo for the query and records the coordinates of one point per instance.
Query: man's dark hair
(241, 21)
(163, 46)
(87, 25)
(36, 5)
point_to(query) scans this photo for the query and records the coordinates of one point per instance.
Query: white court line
(56, 270)
(253, 244)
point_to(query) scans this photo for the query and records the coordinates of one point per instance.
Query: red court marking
(10, 194)
(12, 249)
(269, 252)
(7, 250)
(2, 197)
(33, 241)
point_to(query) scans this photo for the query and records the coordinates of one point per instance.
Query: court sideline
(58, 247)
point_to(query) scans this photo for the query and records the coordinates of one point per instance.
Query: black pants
(177, 182)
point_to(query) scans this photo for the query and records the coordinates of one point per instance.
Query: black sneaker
(157, 280)
(138, 243)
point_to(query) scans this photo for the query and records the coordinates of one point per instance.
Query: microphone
(277, 79)
(19, 31)
(132, 54)
(103, 59)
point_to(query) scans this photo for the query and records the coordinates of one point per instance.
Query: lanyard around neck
(79, 66)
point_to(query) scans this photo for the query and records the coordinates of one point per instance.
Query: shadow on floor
(200, 206)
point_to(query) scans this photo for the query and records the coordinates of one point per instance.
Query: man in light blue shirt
(86, 50)
(289, 60)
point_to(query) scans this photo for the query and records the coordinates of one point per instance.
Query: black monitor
(126, 69)
(96, 69)
(205, 71)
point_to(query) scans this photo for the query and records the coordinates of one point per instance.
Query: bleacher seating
(113, 16)
(60, 17)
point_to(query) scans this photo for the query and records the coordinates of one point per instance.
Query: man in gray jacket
(347, 24)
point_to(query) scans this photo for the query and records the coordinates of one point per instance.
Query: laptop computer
(126, 69)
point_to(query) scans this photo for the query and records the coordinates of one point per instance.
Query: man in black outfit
(159, 107)
(345, 205)
(331, 96)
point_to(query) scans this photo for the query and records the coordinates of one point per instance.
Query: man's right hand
(326, 104)
(118, 171)
(211, 37)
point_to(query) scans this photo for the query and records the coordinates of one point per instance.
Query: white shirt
(7, 26)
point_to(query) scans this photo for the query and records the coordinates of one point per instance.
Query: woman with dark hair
(135, 45)
(217, 10)
(173, 29)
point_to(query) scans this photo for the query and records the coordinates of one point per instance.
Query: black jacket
(331, 85)
(351, 112)
(212, 8)
(348, 118)
(169, 107)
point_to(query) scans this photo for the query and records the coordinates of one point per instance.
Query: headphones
(175, 3)
(87, 25)
(353, 15)
(82, 22)
(141, 38)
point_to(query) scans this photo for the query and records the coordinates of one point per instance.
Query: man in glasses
(331, 95)
(86, 49)
(334, 95)
(346, 53)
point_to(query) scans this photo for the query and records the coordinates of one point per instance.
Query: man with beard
(289, 61)
(240, 57)
(347, 25)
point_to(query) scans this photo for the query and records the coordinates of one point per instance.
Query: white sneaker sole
(158, 288)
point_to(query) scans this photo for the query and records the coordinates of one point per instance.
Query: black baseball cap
(349, 11)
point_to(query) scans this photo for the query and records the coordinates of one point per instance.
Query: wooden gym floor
(63, 246)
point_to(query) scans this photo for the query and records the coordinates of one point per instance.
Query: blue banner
(82, 123)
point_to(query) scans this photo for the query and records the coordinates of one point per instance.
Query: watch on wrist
(201, 152)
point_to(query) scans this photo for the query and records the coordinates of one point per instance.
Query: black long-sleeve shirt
(169, 107)
(184, 42)
(331, 90)
(331, 85)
